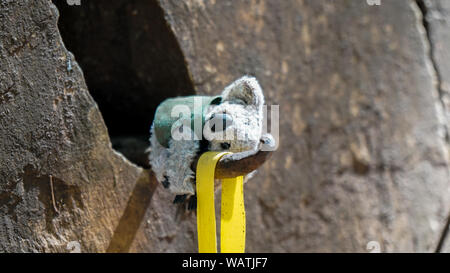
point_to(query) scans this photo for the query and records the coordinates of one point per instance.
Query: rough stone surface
(54, 146)
(437, 22)
(362, 155)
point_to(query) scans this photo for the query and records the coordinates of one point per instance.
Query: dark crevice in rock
(131, 61)
(424, 10)
(360, 167)
(443, 236)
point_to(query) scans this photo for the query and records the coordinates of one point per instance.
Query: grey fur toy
(240, 112)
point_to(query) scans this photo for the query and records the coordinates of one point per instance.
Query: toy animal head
(231, 122)
(236, 123)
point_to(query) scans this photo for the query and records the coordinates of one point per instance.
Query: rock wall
(436, 21)
(363, 150)
(363, 154)
(60, 180)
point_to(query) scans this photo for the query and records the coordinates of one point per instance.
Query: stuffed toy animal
(231, 122)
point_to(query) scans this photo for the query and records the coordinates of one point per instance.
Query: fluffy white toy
(235, 125)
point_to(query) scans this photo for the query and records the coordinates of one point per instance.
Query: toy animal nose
(217, 119)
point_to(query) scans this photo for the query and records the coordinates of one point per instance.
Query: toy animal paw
(185, 127)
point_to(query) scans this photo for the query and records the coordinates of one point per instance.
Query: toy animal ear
(245, 90)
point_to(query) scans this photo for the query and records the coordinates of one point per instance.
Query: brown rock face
(437, 26)
(61, 184)
(363, 104)
(362, 152)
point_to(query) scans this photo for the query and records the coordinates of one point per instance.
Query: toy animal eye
(217, 119)
(225, 145)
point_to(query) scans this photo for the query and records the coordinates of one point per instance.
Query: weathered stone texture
(363, 154)
(437, 23)
(51, 127)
